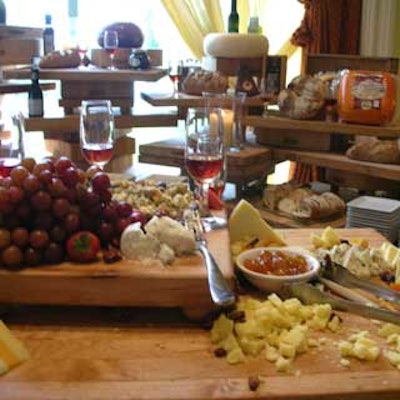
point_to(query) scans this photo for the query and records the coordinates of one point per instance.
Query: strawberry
(83, 246)
(214, 200)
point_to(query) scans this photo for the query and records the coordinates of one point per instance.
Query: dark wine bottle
(35, 95)
(233, 19)
(48, 36)
(3, 14)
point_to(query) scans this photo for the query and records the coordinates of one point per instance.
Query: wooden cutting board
(97, 353)
(126, 283)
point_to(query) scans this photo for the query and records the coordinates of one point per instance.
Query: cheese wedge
(12, 351)
(246, 221)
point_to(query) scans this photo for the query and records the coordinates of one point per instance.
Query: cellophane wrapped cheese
(368, 97)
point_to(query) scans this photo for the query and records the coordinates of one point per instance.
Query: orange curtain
(328, 26)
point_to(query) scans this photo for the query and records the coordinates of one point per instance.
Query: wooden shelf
(322, 127)
(339, 162)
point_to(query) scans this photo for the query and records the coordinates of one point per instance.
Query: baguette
(320, 206)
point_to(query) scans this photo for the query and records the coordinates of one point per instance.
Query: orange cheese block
(367, 97)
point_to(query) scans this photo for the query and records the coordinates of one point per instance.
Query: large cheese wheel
(235, 45)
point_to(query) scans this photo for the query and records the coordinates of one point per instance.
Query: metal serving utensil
(220, 291)
(341, 275)
(309, 294)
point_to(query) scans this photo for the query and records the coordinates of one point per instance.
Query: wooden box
(18, 45)
(293, 138)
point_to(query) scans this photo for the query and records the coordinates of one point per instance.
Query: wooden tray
(126, 283)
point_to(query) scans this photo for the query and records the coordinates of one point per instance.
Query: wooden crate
(292, 138)
(122, 159)
(334, 62)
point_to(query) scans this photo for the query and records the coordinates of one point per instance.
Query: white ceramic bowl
(273, 283)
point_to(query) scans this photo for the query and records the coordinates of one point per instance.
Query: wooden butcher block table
(156, 353)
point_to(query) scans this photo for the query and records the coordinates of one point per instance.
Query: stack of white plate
(375, 212)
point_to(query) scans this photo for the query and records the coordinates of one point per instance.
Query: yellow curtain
(194, 19)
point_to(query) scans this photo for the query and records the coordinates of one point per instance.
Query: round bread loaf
(61, 59)
(304, 97)
(205, 81)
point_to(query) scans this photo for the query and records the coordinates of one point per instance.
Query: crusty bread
(320, 206)
(205, 81)
(61, 59)
(304, 97)
(375, 150)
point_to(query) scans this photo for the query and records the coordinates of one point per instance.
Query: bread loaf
(320, 206)
(304, 98)
(61, 59)
(205, 81)
(375, 150)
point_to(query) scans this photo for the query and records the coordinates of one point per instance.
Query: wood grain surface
(134, 353)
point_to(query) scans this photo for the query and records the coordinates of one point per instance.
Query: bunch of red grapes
(43, 204)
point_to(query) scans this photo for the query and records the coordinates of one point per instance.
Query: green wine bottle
(233, 19)
(3, 15)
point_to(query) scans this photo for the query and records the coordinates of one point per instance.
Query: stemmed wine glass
(96, 131)
(111, 45)
(175, 69)
(204, 150)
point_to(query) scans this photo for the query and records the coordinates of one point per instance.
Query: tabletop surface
(89, 74)
(149, 353)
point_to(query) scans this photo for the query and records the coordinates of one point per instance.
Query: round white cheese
(235, 45)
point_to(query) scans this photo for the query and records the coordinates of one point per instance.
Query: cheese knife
(309, 294)
(341, 275)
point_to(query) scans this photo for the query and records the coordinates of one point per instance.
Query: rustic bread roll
(61, 59)
(320, 206)
(304, 97)
(375, 150)
(205, 81)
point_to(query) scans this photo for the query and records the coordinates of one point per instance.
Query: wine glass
(111, 45)
(96, 131)
(175, 69)
(204, 150)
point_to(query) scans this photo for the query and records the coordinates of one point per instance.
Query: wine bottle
(3, 15)
(48, 36)
(233, 19)
(35, 95)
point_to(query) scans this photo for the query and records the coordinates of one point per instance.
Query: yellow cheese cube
(12, 351)
(222, 328)
(235, 356)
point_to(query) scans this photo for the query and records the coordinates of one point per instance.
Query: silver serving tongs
(341, 275)
(220, 291)
(309, 294)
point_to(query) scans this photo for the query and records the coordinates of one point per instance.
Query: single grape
(41, 201)
(109, 213)
(29, 163)
(12, 256)
(88, 200)
(57, 188)
(58, 234)
(106, 196)
(40, 167)
(62, 164)
(5, 238)
(32, 257)
(24, 211)
(54, 253)
(106, 231)
(31, 183)
(92, 170)
(20, 237)
(18, 175)
(124, 209)
(39, 239)
(100, 182)
(72, 222)
(70, 177)
(16, 194)
(45, 176)
(61, 207)
(121, 224)
(43, 220)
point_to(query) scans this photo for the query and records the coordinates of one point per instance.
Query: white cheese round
(235, 45)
